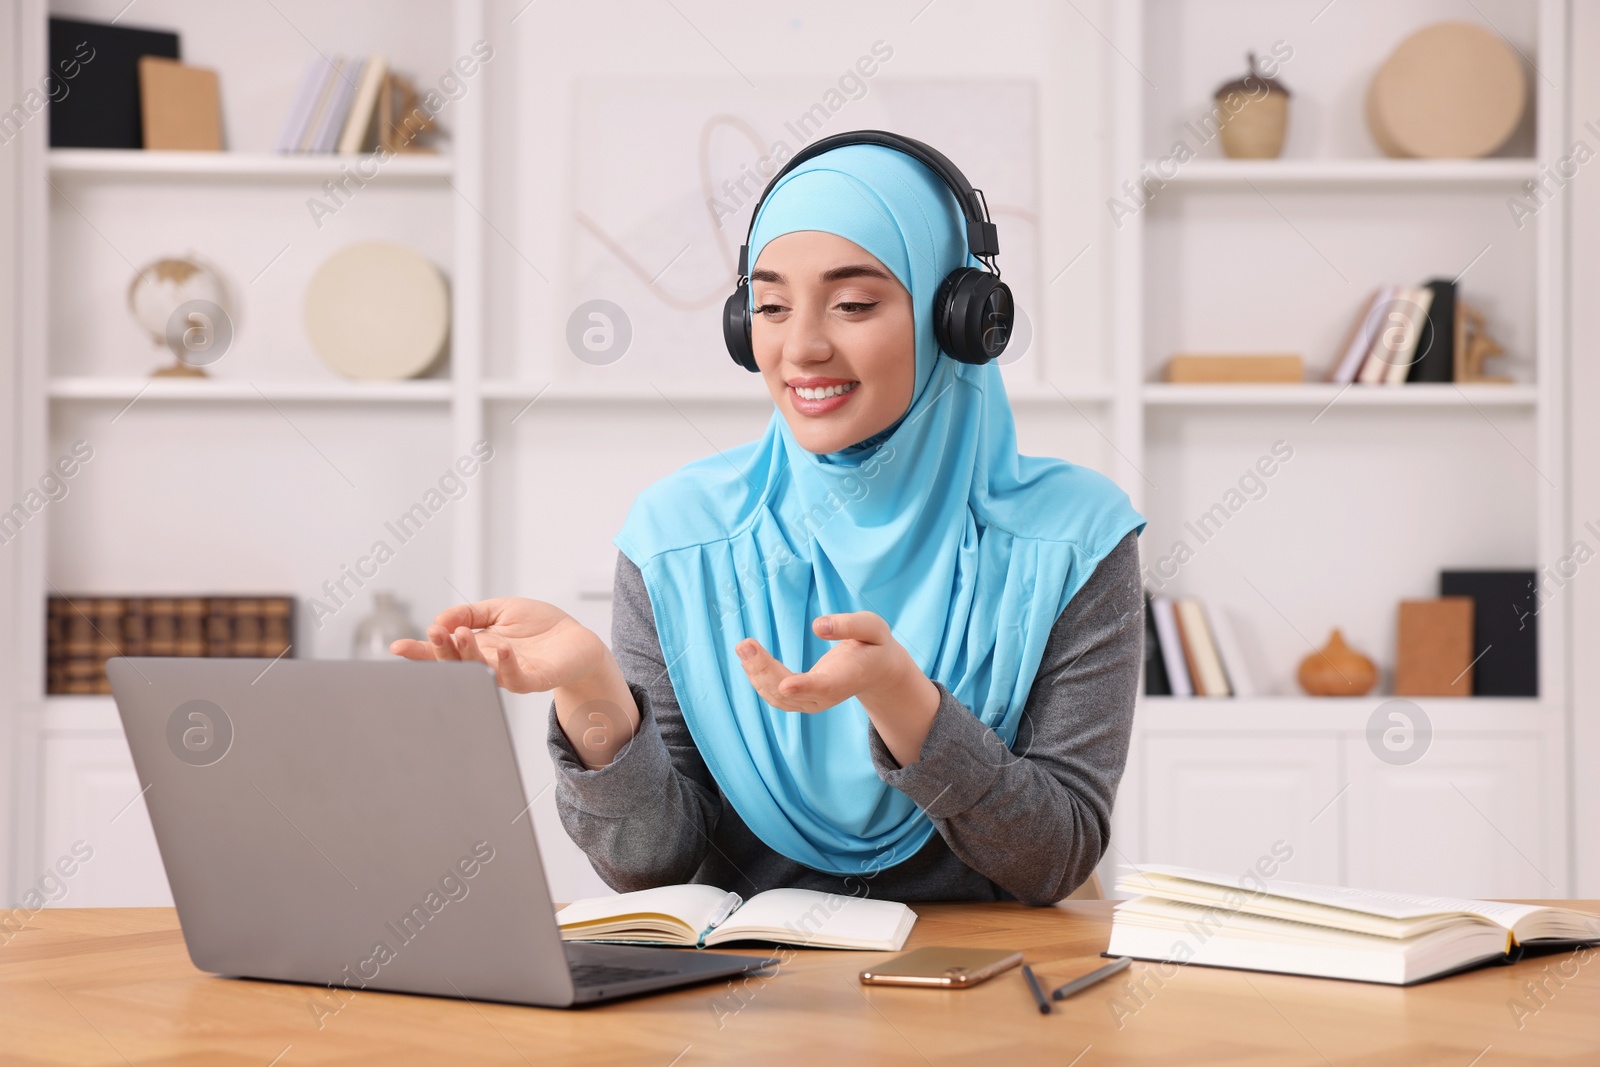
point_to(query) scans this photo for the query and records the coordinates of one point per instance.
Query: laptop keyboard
(593, 974)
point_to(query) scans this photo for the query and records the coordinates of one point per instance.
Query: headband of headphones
(973, 310)
(983, 239)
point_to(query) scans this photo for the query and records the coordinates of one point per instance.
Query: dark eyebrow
(837, 274)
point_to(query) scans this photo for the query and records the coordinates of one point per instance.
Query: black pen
(1078, 984)
(1038, 991)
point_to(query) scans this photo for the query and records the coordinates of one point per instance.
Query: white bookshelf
(1394, 483)
(271, 471)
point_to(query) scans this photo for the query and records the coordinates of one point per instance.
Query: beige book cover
(180, 106)
(1223, 367)
(1201, 650)
(1433, 656)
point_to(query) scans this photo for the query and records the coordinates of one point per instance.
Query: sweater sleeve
(1035, 817)
(646, 818)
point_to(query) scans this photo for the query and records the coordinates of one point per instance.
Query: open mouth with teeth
(823, 392)
(821, 397)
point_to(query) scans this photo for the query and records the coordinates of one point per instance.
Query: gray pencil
(1078, 984)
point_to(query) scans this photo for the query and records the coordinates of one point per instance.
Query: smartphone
(942, 968)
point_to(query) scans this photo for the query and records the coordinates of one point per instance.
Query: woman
(876, 651)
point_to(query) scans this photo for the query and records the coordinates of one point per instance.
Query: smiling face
(830, 319)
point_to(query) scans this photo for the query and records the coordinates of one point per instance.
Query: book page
(1196, 920)
(803, 916)
(1224, 906)
(1148, 878)
(1154, 929)
(696, 906)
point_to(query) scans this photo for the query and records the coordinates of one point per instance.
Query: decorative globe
(181, 304)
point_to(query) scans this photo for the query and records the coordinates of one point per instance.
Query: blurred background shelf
(1349, 173)
(209, 390)
(1304, 714)
(204, 486)
(1166, 394)
(1294, 509)
(736, 391)
(733, 391)
(122, 163)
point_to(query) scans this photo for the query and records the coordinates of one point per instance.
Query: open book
(1190, 916)
(703, 915)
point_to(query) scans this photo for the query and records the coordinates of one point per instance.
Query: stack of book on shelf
(1403, 334)
(334, 106)
(83, 632)
(1190, 652)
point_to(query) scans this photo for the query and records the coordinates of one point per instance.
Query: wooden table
(115, 986)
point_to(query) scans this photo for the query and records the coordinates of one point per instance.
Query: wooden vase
(1337, 670)
(1256, 130)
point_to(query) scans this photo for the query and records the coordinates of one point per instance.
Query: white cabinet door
(92, 803)
(1223, 803)
(1472, 817)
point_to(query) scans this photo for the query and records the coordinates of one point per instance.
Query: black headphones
(973, 310)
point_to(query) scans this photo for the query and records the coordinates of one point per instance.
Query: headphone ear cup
(736, 328)
(973, 315)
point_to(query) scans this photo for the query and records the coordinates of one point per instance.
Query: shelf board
(736, 390)
(208, 390)
(440, 390)
(1288, 714)
(729, 392)
(132, 163)
(1167, 394)
(1349, 173)
(1344, 715)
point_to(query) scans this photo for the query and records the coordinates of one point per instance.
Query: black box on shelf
(94, 82)
(1505, 629)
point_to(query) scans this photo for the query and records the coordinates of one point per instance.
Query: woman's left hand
(868, 664)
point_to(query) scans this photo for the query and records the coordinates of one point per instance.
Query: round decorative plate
(1452, 90)
(378, 310)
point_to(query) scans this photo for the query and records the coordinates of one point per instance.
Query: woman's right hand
(534, 647)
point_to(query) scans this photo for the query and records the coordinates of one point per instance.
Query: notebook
(181, 106)
(701, 916)
(1190, 916)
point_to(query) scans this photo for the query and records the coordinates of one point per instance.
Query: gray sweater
(1026, 823)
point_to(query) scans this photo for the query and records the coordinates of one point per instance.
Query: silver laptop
(362, 826)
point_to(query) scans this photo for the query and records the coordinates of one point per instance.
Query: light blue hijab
(969, 550)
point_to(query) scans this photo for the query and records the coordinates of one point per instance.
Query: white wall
(552, 45)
